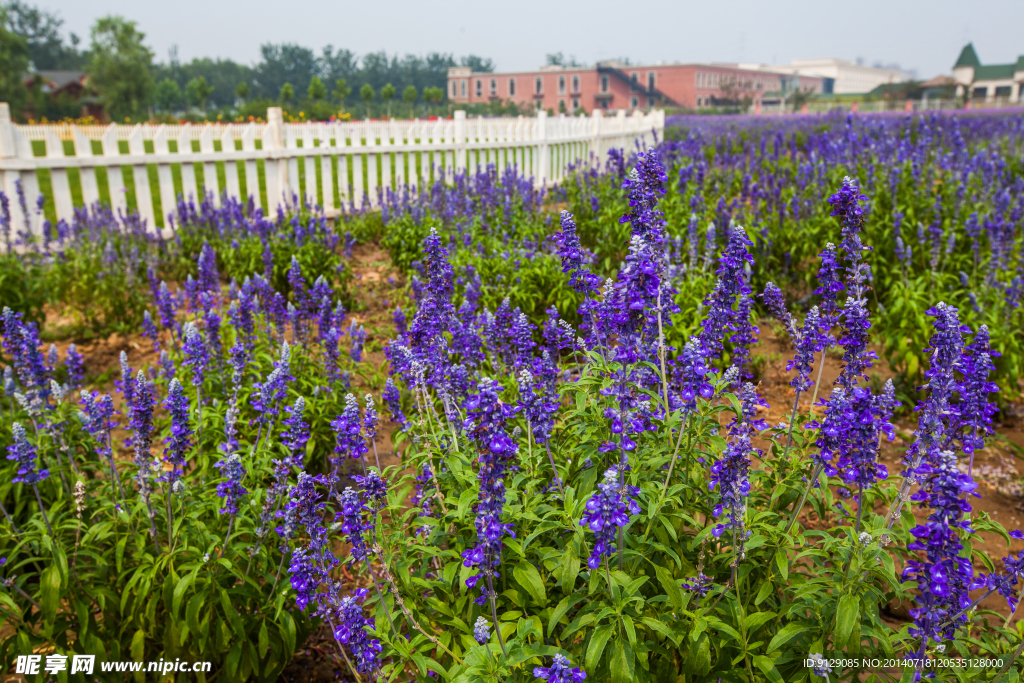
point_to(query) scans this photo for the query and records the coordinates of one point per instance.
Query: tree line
(126, 79)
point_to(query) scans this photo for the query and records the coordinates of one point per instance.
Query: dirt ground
(377, 287)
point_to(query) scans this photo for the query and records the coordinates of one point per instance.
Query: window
(633, 102)
(561, 85)
(463, 88)
(604, 83)
(1003, 91)
(760, 84)
(980, 92)
(479, 87)
(494, 87)
(454, 89)
(511, 87)
(575, 103)
(561, 106)
(632, 78)
(650, 80)
(575, 83)
(650, 102)
(538, 86)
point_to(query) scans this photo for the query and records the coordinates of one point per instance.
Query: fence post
(9, 151)
(275, 171)
(597, 118)
(543, 159)
(460, 140)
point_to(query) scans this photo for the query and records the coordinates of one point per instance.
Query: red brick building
(613, 85)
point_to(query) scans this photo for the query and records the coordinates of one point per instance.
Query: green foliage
(167, 95)
(287, 93)
(242, 91)
(317, 90)
(22, 287)
(119, 67)
(14, 61)
(197, 92)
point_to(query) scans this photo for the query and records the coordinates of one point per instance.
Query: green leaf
(782, 564)
(788, 632)
(622, 662)
(561, 609)
(465, 500)
(138, 645)
(753, 621)
(847, 614)
(661, 627)
(288, 632)
(179, 593)
(264, 639)
(570, 569)
(50, 586)
(595, 648)
(192, 612)
(527, 576)
(672, 590)
(768, 667)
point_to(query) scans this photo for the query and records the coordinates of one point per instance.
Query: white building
(988, 82)
(844, 76)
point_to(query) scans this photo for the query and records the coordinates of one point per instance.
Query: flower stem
(494, 613)
(8, 518)
(800, 505)
(42, 509)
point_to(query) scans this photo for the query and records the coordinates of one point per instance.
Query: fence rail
(333, 164)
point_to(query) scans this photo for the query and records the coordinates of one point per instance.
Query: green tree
(167, 95)
(433, 95)
(366, 92)
(317, 90)
(119, 65)
(13, 65)
(341, 91)
(242, 91)
(387, 93)
(287, 93)
(197, 92)
(409, 96)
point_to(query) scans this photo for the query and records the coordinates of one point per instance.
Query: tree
(341, 91)
(433, 95)
(409, 96)
(242, 91)
(167, 95)
(197, 92)
(14, 61)
(317, 90)
(478, 64)
(120, 66)
(287, 92)
(41, 30)
(280, 64)
(387, 93)
(366, 92)
(558, 59)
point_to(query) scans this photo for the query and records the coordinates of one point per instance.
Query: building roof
(993, 72)
(939, 81)
(62, 78)
(968, 57)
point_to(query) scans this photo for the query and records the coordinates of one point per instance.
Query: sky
(921, 35)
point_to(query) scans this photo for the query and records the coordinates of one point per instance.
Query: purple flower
(348, 441)
(731, 473)
(976, 410)
(482, 630)
(574, 258)
(75, 366)
(646, 182)
(181, 434)
(165, 305)
(776, 304)
(691, 372)
(149, 330)
(393, 400)
(295, 434)
(351, 632)
(24, 453)
(358, 337)
(486, 424)
(850, 431)
(374, 488)
(231, 489)
(352, 523)
(400, 322)
(607, 510)
(560, 671)
(196, 354)
(140, 421)
(806, 343)
(370, 421)
(209, 279)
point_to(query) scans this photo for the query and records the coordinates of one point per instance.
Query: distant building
(614, 85)
(988, 82)
(841, 76)
(69, 87)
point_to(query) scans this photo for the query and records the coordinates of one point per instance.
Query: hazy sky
(925, 35)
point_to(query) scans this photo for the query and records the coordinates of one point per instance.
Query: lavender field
(723, 409)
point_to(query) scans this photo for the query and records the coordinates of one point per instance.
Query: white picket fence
(340, 162)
